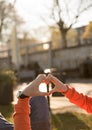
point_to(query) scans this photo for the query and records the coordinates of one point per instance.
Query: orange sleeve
(21, 115)
(79, 99)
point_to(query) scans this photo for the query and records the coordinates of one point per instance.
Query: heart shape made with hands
(59, 86)
(32, 88)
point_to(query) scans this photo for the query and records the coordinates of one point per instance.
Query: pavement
(62, 104)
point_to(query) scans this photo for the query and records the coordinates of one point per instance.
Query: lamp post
(48, 70)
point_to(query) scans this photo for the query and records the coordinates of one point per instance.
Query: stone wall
(68, 58)
(71, 57)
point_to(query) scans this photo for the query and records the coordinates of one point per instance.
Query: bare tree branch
(79, 12)
(60, 21)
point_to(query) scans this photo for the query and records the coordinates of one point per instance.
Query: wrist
(21, 95)
(65, 88)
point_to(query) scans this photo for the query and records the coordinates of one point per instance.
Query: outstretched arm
(79, 99)
(22, 111)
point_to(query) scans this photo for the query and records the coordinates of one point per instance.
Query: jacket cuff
(69, 93)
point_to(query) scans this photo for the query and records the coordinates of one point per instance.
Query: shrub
(7, 84)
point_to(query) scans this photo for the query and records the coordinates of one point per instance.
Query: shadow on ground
(67, 121)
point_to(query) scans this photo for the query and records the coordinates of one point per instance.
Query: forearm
(21, 115)
(79, 99)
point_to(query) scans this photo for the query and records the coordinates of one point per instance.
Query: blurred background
(45, 37)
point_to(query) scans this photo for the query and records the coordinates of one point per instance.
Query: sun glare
(43, 87)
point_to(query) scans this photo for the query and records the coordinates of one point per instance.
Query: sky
(32, 10)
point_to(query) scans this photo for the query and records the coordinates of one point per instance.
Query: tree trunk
(0, 33)
(1, 27)
(64, 40)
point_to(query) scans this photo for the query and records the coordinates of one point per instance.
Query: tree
(7, 18)
(72, 38)
(55, 37)
(65, 15)
(87, 35)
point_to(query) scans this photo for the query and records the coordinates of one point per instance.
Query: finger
(40, 78)
(43, 76)
(49, 76)
(52, 91)
(46, 81)
(55, 80)
(44, 94)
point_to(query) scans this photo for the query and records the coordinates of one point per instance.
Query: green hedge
(7, 83)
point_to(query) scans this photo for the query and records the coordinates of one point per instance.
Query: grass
(71, 121)
(65, 121)
(7, 111)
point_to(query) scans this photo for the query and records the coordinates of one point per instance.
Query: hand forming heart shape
(32, 88)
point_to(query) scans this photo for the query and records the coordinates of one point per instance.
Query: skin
(59, 86)
(32, 88)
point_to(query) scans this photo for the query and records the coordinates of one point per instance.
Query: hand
(32, 88)
(59, 86)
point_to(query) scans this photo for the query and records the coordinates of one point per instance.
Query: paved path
(61, 104)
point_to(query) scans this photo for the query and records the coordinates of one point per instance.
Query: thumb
(52, 91)
(44, 94)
